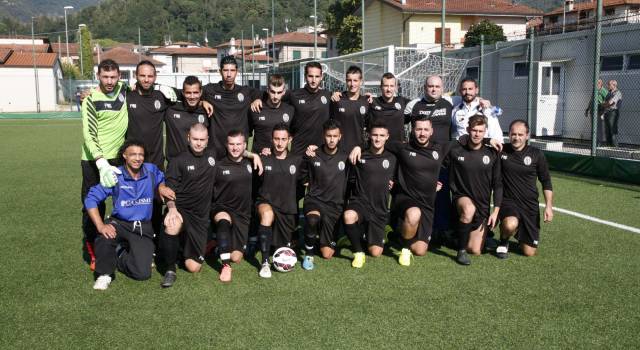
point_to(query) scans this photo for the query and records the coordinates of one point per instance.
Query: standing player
(389, 108)
(470, 106)
(274, 112)
(276, 203)
(126, 240)
(367, 210)
(521, 166)
(232, 201)
(474, 173)
(180, 117)
(351, 110)
(323, 204)
(435, 107)
(231, 105)
(104, 125)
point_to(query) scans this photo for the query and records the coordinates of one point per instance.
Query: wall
(17, 91)
(382, 26)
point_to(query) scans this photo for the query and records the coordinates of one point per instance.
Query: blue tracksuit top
(132, 199)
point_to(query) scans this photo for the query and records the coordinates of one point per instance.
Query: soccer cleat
(358, 260)
(502, 252)
(225, 273)
(463, 258)
(265, 271)
(102, 282)
(307, 263)
(405, 257)
(169, 279)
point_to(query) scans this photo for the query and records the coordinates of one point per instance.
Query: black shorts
(239, 228)
(480, 216)
(329, 220)
(528, 222)
(283, 225)
(374, 225)
(193, 235)
(401, 203)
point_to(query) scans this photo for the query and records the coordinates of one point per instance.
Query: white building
(184, 57)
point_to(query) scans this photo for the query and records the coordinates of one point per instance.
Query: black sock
(223, 230)
(266, 236)
(354, 232)
(463, 230)
(169, 251)
(310, 233)
(504, 242)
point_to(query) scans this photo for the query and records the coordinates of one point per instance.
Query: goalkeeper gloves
(168, 92)
(108, 173)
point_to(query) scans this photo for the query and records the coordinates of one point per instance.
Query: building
(295, 46)
(417, 23)
(127, 60)
(184, 57)
(581, 15)
(60, 48)
(18, 88)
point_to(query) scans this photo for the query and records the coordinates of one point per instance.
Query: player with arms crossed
(274, 112)
(350, 110)
(389, 108)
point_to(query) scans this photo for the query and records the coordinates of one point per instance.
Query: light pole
(35, 67)
(564, 14)
(315, 35)
(267, 44)
(273, 30)
(80, 27)
(66, 30)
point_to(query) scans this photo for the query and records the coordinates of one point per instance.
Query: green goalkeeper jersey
(104, 123)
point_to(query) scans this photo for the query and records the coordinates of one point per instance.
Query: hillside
(23, 9)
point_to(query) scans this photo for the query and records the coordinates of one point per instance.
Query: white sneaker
(102, 283)
(265, 271)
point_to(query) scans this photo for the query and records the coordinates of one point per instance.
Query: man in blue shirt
(125, 240)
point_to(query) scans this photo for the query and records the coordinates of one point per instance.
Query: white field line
(594, 219)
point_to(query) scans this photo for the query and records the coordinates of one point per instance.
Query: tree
(345, 25)
(492, 33)
(70, 71)
(87, 54)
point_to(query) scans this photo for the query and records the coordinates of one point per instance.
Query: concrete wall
(18, 92)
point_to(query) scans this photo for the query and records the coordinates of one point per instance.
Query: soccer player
(435, 107)
(419, 163)
(519, 213)
(274, 113)
(276, 204)
(180, 117)
(231, 104)
(474, 173)
(389, 108)
(323, 204)
(351, 110)
(126, 239)
(367, 209)
(470, 106)
(104, 125)
(232, 201)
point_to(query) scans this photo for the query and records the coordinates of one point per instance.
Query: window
(324, 54)
(584, 14)
(553, 19)
(296, 54)
(520, 69)
(611, 63)
(610, 11)
(447, 36)
(634, 61)
(473, 72)
(124, 75)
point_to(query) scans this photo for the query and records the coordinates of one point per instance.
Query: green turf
(580, 292)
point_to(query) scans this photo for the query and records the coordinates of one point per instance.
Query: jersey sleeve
(542, 168)
(97, 194)
(90, 128)
(497, 181)
(394, 146)
(173, 175)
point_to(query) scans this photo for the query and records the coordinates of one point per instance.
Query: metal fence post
(481, 69)
(596, 74)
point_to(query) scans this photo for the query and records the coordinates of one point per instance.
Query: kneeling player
(521, 165)
(276, 203)
(232, 201)
(474, 172)
(368, 205)
(324, 202)
(126, 239)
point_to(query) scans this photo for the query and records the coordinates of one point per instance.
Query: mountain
(24, 9)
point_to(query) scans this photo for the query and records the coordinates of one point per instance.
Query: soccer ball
(284, 259)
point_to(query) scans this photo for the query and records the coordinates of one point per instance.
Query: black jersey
(233, 186)
(146, 115)
(520, 169)
(231, 112)
(278, 182)
(475, 174)
(191, 177)
(439, 112)
(311, 111)
(391, 113)
(262, 123)
(327, 176)
(418, 169)
(372, 175)
(178, 120)
(351, 114)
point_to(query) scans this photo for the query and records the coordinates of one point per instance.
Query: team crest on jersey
(363, 110)
(212, 161)
(157, 104)
(285, 117)
(240, 97)
(527, 160)
(398, 106)
(341, 165)
(486, 160)
(249, 168)
(121, 98)
(385, 164)
(323, 100)
(292, 169)
(435, 155)
(200, 118)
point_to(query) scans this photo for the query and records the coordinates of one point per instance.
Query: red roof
(186, 51)
(259, 58)
(26, 47)
(469, 7)
(125, 57)
(4, 54)
(62, 48)
(22, 59)
(296, 38)
(581, 6)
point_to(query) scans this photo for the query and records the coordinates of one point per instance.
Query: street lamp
(315, 34)
(66, 30)
(35, 67)
(80, 27)
(267, 44)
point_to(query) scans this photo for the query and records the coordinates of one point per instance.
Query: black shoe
(169, 279)
(502, 252)
(463, 258)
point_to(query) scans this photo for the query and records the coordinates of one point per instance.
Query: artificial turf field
(581, 291)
